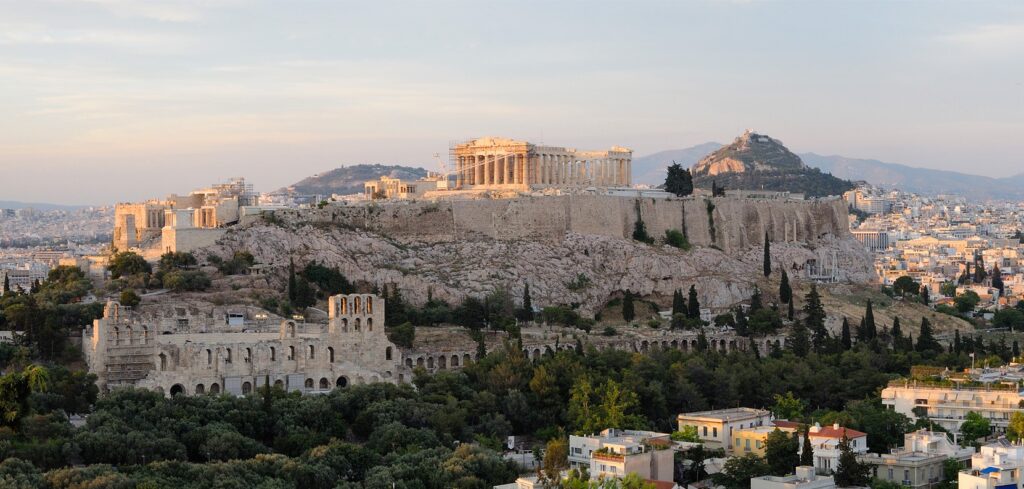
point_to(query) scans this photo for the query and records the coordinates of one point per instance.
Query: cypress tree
(767, 256)
(1016, 349)
(957, 344)
(755, 300)
(798, 339)
(925, 340)
(897, 335)
(997, 280)
(869, 323)
(785, 291)
(702, 341)
(814, 311)
(807, 454)
(845, 339)
(791, 312)
(628, 312)
(925, 299)
(527, 303)
(292, 283)
(692, 305)
(7, 284)
(678, 180)
(678, 303)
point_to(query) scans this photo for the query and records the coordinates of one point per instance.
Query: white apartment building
(804, 478)
(996, 466)
(616, 453)
(825, 442)
(716, 428)
(947, 406)
(920, 463)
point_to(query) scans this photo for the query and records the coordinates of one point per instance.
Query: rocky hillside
(758, 162)
(349, 179)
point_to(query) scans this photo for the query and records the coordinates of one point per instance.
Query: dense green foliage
(678, 180)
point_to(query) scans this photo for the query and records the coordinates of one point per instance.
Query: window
(228, 358)
(209, 357)
(705, 431)
(312, 352)
(291, 353)
(387, 356)
(163, 362)
(273, 354)
(330, 354)
(746, 445)
(714, 432)
(248, 355)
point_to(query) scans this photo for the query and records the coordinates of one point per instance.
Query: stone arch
(536, 354)
(279, 383)
(200, 389)
(387, 353)
(408, 362)
(455, 361)
(312, 352)
(291, 329)
(128, 333)
(693, 345)
(344, 305)
(369, 306)
(227, 358)
(419, 362)
(358, 304)
(643, 345)
(732, 345)
(117, 335)
(309, 383)
(177, 389)
(369, 324)
(330, 354)
(145, 335)
(291, 353)
(342, 381)
(248, 355)
(442, 362)
(246, 388)
(721, 345)
(324, 383)
(357, 325)
(675, 344)
(466, 359)
(273, 354)
(214, 388)
(430, 362)
(344, 325)
(664, 345)
(209, 356)
(163, 361)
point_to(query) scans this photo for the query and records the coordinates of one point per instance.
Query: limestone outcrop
(571, 250)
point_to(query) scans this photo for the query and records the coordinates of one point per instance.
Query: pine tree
(755, 300)
(678, 180)
(767, 256)
(798, 339)
(869, 323)
(678, 303)
(692, 305)
(292, 284)
(791, 312)
(997, 280)
(702, 341)
(897, 335)
(628, 312)
(1016, 349)
(785, 291)
(813, 310)
(807, 454)
(845, 339)
(850, 471)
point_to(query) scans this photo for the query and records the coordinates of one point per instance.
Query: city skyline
(126, 100)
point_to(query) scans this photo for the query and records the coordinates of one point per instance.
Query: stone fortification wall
(727, 223)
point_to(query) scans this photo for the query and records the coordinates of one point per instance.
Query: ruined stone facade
(184, 354)
(500, 163)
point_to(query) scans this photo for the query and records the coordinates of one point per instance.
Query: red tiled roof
(830, 432)
(781, 423)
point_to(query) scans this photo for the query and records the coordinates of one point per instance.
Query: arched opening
(246, 388)
(358, 305)
(419, 362)
(455, 361)
(291, 353)
(536, 353)
(227, 358)
(721, 345)
(643, 345)
(408, 362)
(344, 325)
(309, 383)
(344, 305)
(369, 308)
(387, 353)
(214, 388)
(279, 383)
(200, 389)
(324, 384)
(442, 362)
(369, 324)
(330, 354)
(117, 335)
(163, 361)
(177, 389)
(312, 352)
(273, 354)
(342, 381)
(128, 333)
(248, 355)
(430, 362)
(357, 325)
(209, 357)
(466, 359)
(675, 344)
(145, 335)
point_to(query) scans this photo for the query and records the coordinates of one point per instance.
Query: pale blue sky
(109, 100)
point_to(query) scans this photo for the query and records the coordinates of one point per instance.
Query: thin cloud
(989, 38)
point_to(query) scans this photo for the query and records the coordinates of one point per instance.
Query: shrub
(676, 239)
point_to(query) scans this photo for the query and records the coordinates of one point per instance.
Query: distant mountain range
(13, 204)
(650, 169)
(349, 179)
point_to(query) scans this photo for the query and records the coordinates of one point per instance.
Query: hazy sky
(111, 100)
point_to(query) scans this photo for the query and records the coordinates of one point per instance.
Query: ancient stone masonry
(499, 163)
(126, 350)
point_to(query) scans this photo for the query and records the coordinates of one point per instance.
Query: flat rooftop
(730, 414)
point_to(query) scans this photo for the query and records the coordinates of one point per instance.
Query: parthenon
(501, 163)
